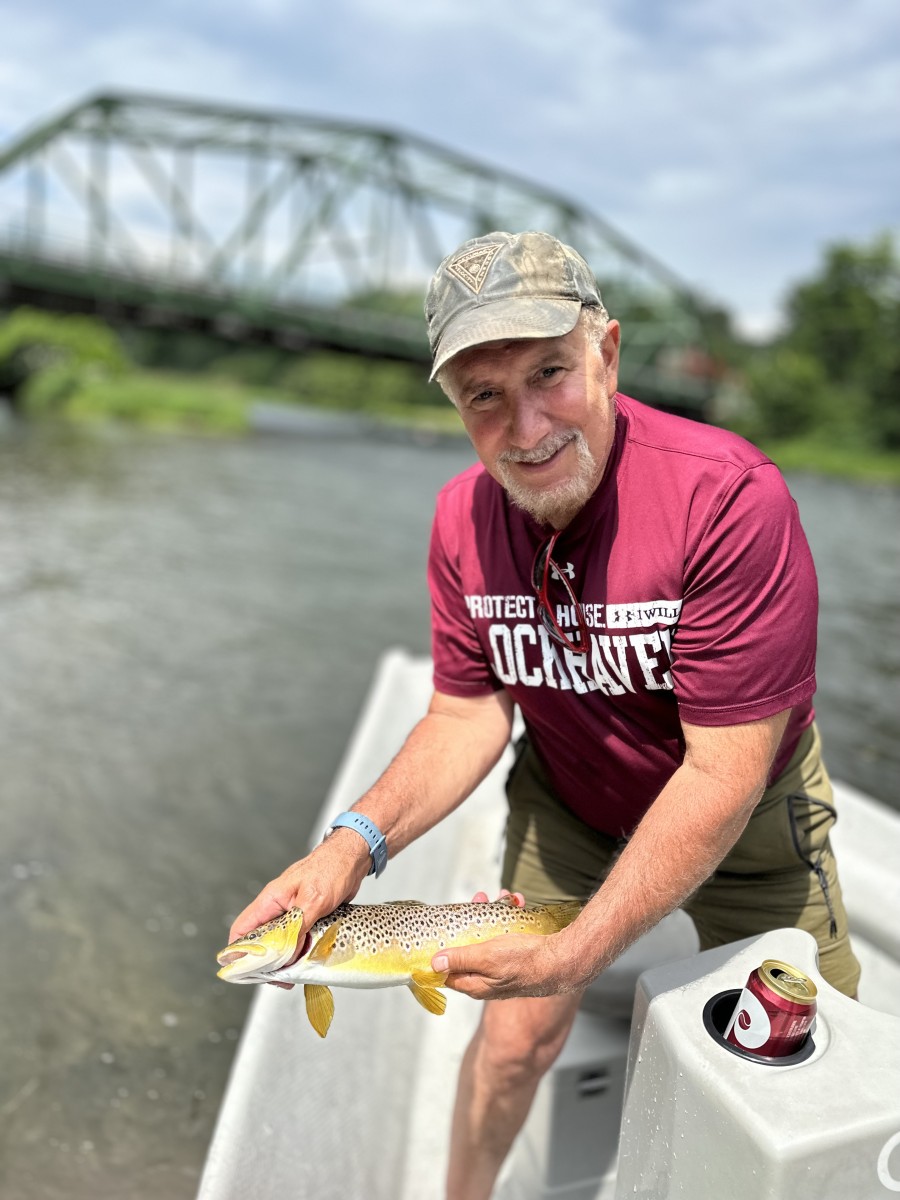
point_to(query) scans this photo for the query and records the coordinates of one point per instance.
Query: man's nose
(528, 424)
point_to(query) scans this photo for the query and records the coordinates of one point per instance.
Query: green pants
(781, 871)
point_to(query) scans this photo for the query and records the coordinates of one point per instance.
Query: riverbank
(834, 461)
(218, 406)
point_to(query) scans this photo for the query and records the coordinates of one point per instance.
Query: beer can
(774, 1012)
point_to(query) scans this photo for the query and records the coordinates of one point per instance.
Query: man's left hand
(515, 964)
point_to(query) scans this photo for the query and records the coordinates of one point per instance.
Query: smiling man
(640, 586)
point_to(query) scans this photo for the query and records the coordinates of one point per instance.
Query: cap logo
(472, 267)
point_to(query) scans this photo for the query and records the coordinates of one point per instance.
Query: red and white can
(774, 1012)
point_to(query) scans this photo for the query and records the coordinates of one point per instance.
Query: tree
(836, 370)
(848, 320)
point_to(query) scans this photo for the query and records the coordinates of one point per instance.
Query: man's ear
(611, 355)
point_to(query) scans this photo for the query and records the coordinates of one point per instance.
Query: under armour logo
(568, 570)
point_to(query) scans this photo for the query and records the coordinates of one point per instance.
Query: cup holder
(718, 1011)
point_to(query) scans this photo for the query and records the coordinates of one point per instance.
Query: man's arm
(445, 757)
(685, 834)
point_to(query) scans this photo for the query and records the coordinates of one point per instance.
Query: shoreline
(268, 415)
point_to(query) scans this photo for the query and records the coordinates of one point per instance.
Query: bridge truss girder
(276, 218)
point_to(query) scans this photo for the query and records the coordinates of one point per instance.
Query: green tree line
(831, 378)
(834, 372)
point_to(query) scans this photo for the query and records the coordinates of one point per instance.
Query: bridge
(295, 230)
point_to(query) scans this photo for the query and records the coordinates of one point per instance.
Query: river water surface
(187, 631)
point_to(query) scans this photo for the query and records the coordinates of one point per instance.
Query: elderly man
(640, 586)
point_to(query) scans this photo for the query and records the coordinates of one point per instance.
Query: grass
(213, 405)
(832, 459)
(204, 403)
(159, 400)
(423, 418)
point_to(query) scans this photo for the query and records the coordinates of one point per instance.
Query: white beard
(555, 505)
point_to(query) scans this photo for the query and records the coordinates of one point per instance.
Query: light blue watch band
(372, 834)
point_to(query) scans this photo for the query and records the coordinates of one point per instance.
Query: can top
(787, 981)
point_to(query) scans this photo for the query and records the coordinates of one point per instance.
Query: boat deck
(364, 1114)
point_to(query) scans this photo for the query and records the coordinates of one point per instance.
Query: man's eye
(482, 398)
(549, 372)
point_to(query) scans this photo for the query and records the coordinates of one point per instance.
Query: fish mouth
(229, 958)
(233, 954)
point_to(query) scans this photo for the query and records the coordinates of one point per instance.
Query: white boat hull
(365, 1115)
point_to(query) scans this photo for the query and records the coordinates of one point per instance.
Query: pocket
(810, 821)
(783, 833)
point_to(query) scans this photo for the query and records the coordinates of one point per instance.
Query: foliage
(837, 459)
(835, 373)
(408, 303)
(259, 366)
(33, 342)
(348, 381)
(161, 401)
(794, 396)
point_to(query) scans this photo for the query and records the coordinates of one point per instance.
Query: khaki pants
(781, 871)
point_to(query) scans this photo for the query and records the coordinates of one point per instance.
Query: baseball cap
(506, 285)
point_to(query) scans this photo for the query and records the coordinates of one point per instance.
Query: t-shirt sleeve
(460, 666)
(745, 646)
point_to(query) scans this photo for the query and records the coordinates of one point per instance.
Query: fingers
(480, 970)
(317, 884)
(502, 967)
(516, 897)
(267, 905)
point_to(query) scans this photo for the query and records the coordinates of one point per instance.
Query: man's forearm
(443, 760)
(684, 835)
(686, 832)
(677, 846)
(447, 755)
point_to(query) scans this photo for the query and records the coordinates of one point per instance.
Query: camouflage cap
(506, 285)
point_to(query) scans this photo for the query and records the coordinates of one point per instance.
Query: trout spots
(372, 930)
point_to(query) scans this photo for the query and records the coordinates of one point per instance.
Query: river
(187, 630)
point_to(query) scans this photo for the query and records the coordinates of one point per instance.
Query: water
(187, 631)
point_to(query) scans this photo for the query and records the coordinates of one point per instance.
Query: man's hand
(511, 965)
(317, 884)
(516, 964)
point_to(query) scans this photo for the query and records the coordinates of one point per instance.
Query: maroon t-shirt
(699, 596)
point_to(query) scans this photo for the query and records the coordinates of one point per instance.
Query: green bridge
(298, 231)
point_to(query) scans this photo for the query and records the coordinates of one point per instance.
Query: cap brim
(505, 320)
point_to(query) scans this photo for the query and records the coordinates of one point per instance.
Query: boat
(644, 1100)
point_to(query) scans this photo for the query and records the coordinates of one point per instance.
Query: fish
(376, 946)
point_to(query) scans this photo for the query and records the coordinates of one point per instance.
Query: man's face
(540, 415)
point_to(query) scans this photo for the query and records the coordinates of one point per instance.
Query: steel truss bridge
(294, 230)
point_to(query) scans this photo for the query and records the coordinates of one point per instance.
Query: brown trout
(375, 946)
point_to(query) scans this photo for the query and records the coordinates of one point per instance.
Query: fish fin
(325, 944)
(429, 979)
(319, 1006)
(408, 903)
(429, 998)
(564, 914)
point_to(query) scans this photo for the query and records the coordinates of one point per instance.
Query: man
(640, 585)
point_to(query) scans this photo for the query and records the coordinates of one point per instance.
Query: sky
(734, 142)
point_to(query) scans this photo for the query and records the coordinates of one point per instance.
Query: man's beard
(555, 505)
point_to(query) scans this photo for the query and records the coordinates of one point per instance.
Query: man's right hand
(329, 875)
